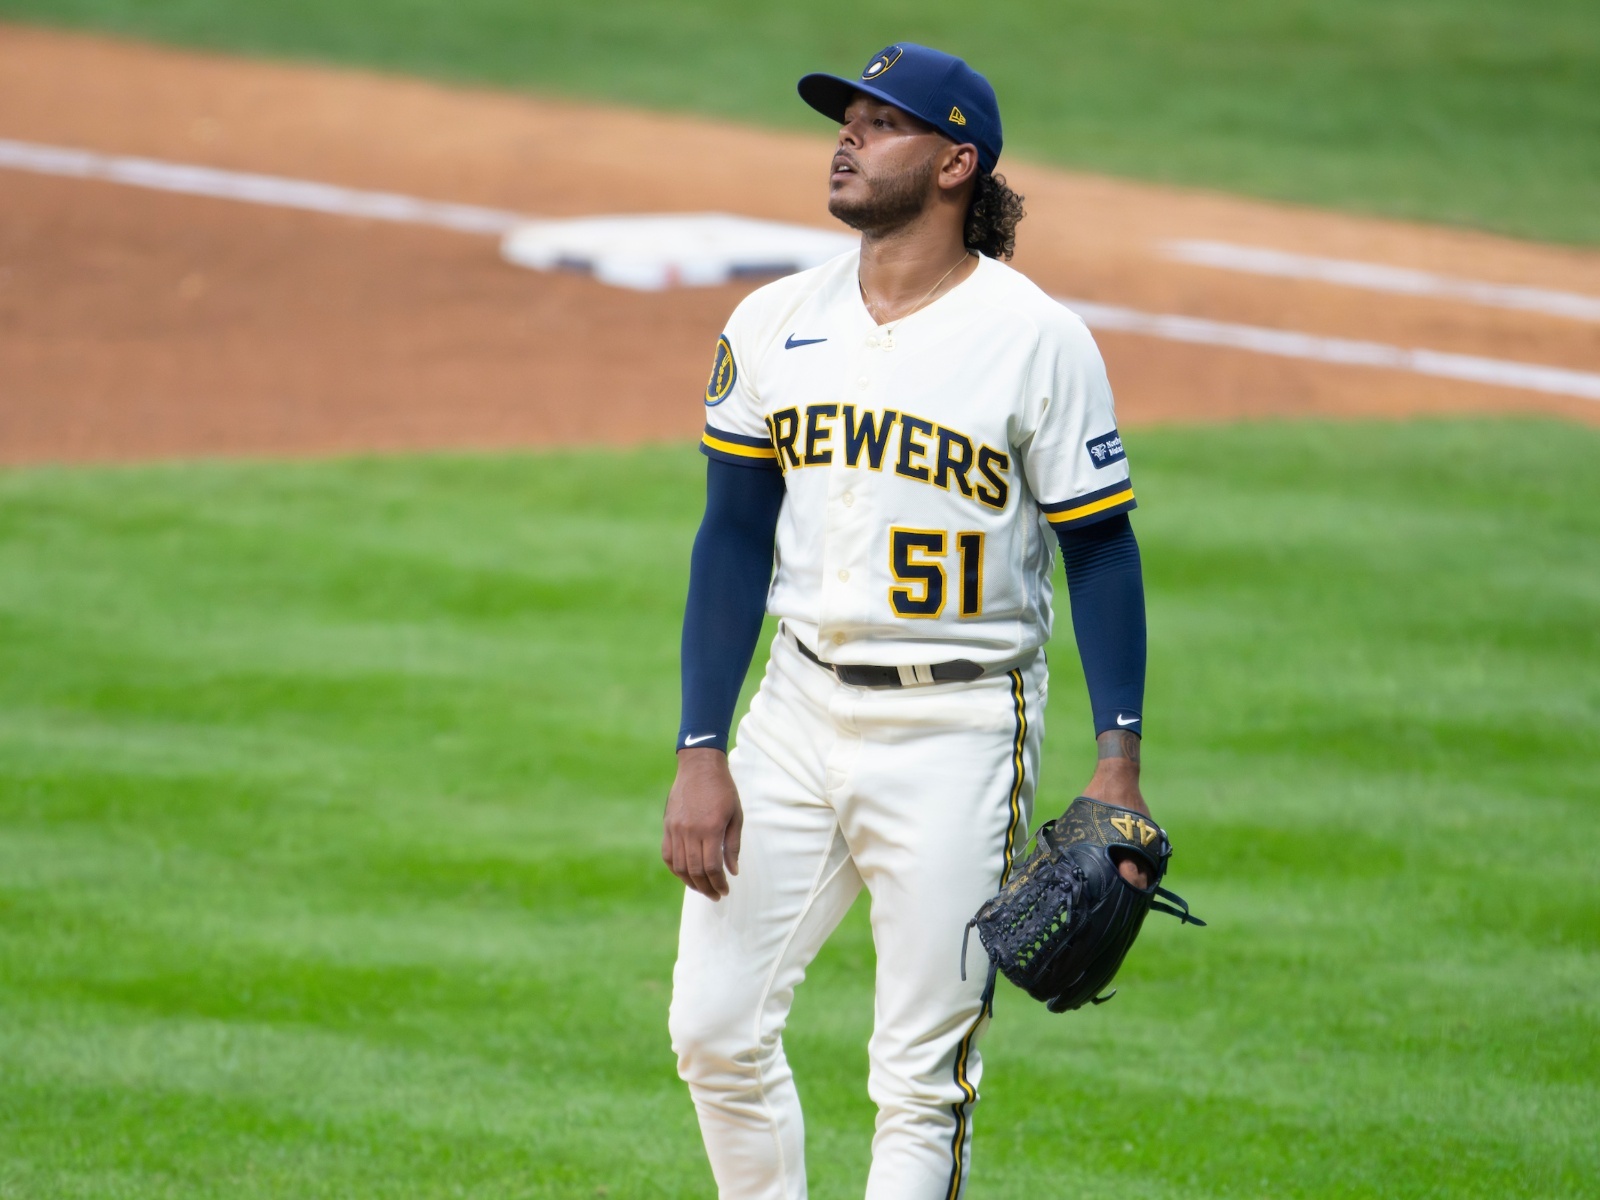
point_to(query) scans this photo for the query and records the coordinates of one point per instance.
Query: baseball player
(898, 440)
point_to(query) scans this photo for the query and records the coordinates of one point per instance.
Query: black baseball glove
(1065, 920)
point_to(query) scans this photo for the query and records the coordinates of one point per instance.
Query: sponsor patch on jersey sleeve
(1105, 449)
(738, 448)
(723, 373)
(1092, 506)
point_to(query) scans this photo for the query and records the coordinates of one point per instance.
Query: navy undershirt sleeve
(729, 573)
(1106, 584)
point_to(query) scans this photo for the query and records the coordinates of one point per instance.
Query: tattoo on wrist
(1118, 743)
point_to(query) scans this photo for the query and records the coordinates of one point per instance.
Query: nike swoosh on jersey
(1129, 721)
(794, 341)
(695, 741)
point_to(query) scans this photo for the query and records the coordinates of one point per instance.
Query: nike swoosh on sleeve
(794, 341)
(695, 741)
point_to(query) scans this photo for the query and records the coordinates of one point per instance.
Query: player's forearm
(1105, 581)
(729, 572)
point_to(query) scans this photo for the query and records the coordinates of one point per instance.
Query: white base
(651, 253)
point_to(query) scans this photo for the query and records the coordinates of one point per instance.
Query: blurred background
(342, 557)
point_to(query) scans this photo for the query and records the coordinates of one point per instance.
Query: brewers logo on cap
(723, 373)
(887, 57)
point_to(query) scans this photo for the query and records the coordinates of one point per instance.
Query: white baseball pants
(922, 794)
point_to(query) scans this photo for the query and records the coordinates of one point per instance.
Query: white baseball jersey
(924, 467)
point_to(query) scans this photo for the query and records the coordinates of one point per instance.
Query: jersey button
(844, 576)
(863, 382)
(838, 639)
(848, 498)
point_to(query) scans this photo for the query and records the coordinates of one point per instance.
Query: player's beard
(892, 201)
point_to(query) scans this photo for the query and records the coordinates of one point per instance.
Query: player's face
(884, 166)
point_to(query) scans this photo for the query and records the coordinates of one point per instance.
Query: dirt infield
(138, 324)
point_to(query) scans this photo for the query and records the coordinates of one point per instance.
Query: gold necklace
(886, 331)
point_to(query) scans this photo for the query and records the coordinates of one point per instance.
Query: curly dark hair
(992, 216)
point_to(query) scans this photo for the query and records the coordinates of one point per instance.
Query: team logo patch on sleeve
(885, 59)
(1105, 449)
(723, 373)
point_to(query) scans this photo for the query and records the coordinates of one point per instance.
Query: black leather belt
(959, 670)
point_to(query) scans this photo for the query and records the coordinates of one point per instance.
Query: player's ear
(960, 165)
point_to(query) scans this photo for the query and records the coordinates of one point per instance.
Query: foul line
(1376, 277)
(272, 190)
(281, 192)
(1469, 368)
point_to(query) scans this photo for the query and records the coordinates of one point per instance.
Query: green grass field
(329, 800)
(1478, 112)
(329, 792)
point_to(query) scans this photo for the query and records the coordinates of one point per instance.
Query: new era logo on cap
(937, 87)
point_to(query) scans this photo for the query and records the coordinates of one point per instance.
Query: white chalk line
(273, 190)
(281, 192)
(1499, 372)
(1376, 277)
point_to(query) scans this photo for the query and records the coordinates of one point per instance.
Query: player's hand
(1116, 781)
(700, 832)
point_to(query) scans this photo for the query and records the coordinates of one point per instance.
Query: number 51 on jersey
(917, 560)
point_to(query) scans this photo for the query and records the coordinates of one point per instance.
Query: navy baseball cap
(937, 87)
